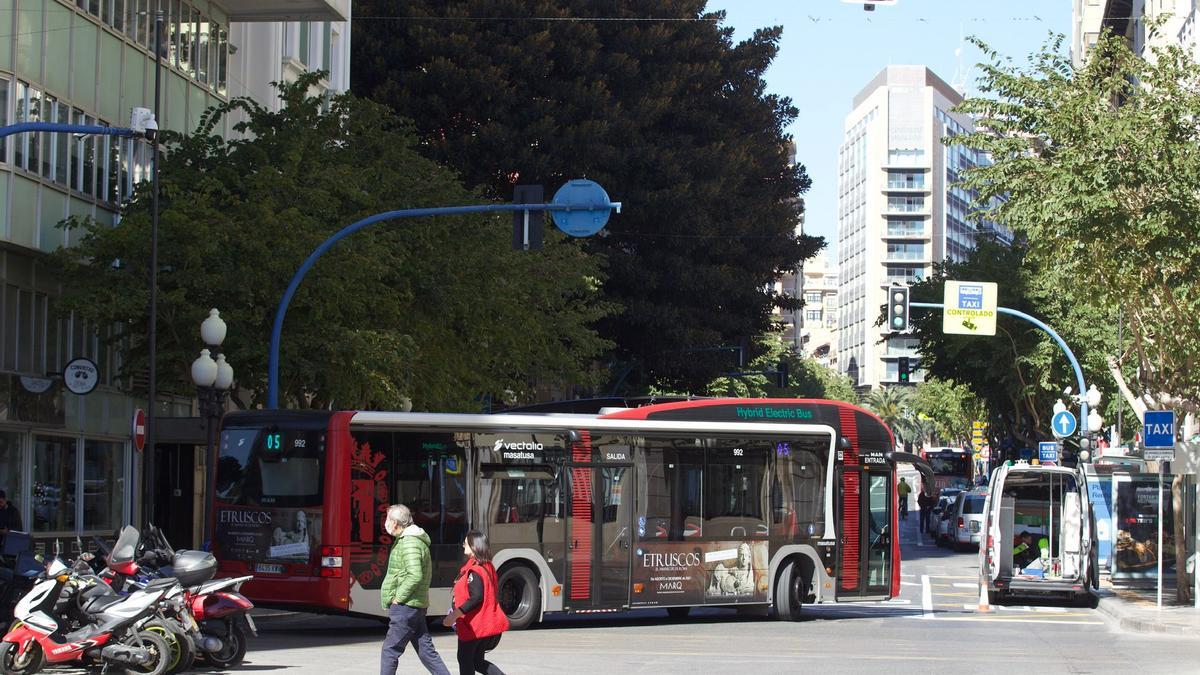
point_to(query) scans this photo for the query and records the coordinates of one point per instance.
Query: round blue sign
(589, 208)
(1063, 424)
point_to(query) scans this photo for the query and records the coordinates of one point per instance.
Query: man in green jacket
(405, 594)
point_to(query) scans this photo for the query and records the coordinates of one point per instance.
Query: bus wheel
(790, 591)
(520, 596)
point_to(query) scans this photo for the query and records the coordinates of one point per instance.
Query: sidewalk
(1135, 609)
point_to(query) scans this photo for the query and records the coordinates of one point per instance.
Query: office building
(66, 459)
(898, 210)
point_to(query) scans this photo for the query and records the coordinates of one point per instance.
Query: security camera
(142, 122)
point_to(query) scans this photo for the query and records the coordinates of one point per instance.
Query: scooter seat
(161, 584)
(102, 602)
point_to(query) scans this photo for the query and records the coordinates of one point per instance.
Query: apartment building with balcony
(898, 210)
(66, 460)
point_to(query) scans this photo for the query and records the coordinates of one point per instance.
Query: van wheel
(520, 596)
(995, 597)
(790, 590)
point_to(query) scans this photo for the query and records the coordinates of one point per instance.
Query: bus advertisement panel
(721, 502)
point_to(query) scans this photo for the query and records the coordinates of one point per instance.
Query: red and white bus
(747, 503)
(953, 467)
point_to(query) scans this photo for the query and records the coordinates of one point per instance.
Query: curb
(1118, 610)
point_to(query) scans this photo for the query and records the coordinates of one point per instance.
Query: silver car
(966, 521)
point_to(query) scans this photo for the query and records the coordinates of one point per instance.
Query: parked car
(941, 514)
(966, 526)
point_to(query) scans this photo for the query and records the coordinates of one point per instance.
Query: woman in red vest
(477, 617)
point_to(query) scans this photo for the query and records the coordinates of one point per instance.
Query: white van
(1041, 540)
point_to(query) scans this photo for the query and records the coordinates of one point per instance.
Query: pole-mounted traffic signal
(897, 309)
(903, 369)
(781, 374)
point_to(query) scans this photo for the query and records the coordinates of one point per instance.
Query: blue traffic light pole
(57, 127)
(580, 208)
(1083, 407)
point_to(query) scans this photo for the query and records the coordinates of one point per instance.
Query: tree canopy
(668, 114)
(437, 310)
(1099, 169)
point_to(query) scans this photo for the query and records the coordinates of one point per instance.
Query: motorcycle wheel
(159, 650)
(233, 649)
(183, 652)
(12, 663)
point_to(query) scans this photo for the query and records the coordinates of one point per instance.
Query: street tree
(1100, 170)
(949, 407)
(655, 101)
(437, 310)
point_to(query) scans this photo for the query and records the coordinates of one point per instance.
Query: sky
(830, 50)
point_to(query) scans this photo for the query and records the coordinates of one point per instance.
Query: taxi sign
(969, 308)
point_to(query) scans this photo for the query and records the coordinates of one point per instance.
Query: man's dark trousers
(926, 512)
(407, 625)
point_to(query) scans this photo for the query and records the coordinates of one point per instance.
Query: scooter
(37, 638)
(221, 614)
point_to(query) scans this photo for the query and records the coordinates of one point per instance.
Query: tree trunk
(1183, 584)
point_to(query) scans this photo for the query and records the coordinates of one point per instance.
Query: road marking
(909, 583)
(1014, 620)
(961, 584)
(926, 598)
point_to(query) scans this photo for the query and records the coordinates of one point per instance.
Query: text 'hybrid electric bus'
(747, 503)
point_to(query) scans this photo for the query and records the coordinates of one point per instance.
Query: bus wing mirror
(844, 443)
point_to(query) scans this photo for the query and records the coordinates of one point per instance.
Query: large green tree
(437, 310)
(652, 99)
(1099, 168)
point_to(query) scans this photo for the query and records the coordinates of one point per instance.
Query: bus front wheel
(520, 596)
(790, 591)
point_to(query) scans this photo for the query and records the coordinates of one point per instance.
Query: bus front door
(864, 532)
(599, 538)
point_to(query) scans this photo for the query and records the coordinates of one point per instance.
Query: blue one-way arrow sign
(1063, 424)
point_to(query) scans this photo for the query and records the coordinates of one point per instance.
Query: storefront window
(103, 484)
(53, 484)
(10, 466)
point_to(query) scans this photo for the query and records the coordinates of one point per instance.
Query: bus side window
(673, 493)
(734, 479)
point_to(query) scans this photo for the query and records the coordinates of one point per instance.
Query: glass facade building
(66, 460)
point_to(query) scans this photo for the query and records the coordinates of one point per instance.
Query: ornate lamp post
(213, 379)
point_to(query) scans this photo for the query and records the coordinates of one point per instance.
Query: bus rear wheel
(520, 596)
(790, 591)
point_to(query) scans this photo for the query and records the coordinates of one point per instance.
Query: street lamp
(213, 379)
(1094, 422)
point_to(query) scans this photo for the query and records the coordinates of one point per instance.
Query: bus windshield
(948, 463)
(269, 493)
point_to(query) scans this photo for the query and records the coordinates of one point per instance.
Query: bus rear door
(864, 532)
(599, 536)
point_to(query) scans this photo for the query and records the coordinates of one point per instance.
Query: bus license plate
(268, 568)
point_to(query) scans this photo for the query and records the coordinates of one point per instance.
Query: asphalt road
(935, 626)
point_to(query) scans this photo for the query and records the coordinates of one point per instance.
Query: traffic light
(903, 371)
(781, 374)
(897, 309)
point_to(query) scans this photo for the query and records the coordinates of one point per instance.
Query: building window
(103, 484)
(812, 315)
(905, 251)
(302, 46)
(54, 471)
(10, 468)
(906, 180)
(906, 204)
(905, 227)
(812, 297)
